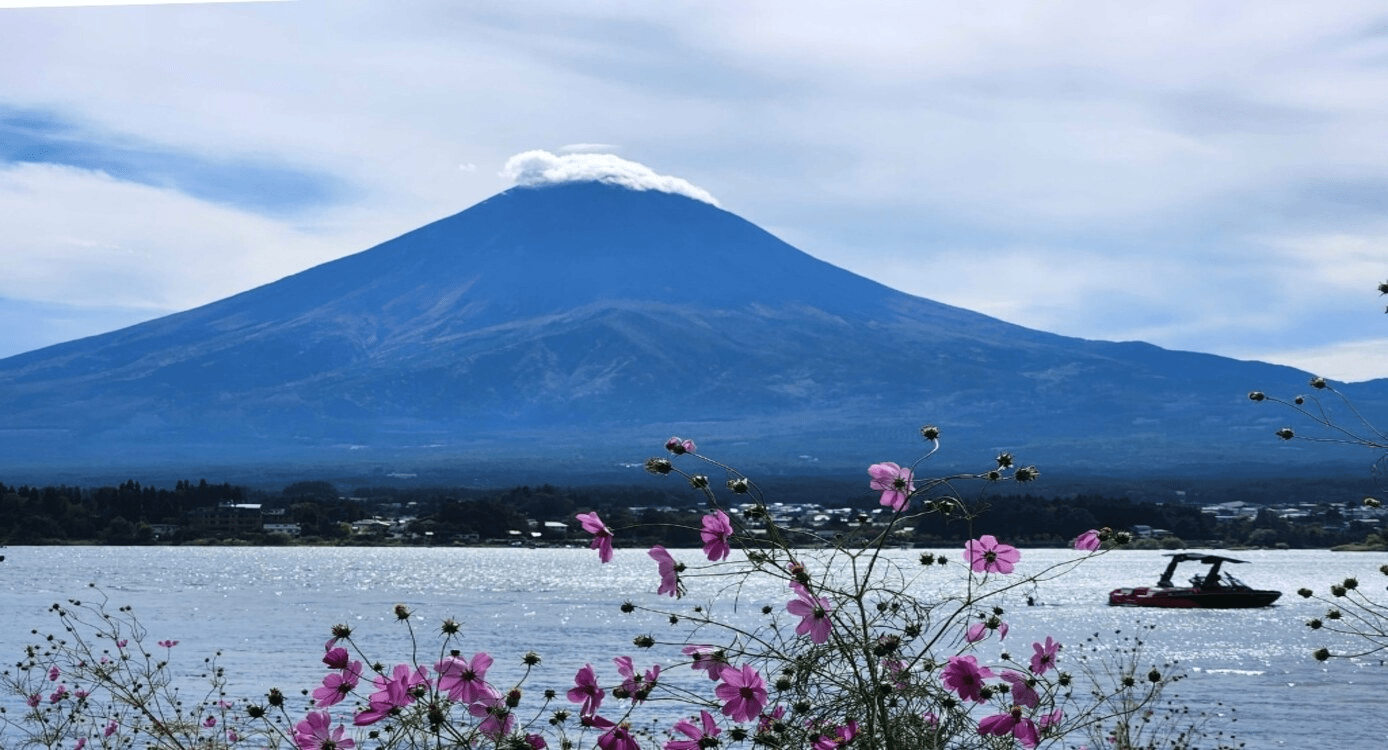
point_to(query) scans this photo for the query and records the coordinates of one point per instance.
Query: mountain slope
(586, 320)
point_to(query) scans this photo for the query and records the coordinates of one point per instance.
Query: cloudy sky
(1209, 176)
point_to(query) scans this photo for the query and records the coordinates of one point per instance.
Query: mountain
(571, 328)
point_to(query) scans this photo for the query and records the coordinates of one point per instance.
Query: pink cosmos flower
(464, 681)
(697, 735)
(536, 742)
(1051, 719)
(669, 572)
(110, 729)
(587, 691)
(210, 722)
(58, 694)
(767, 721)
(980, 630)
(337, 685)
(1044, 658)
(81, 743)
(316, 732)
(743, 692)
(964, 676)
(337, 658)
(1022, 693)
(396, 691)
(837, 737)
(497, 720)
(895, 670)
(679, 446)
(707, 658)
(53, 674)
(987, 555)
(814, 614)
(1013, 721)
(717, 530)
(617, 736)
(1088, 541)
(895, 483)
(636, 686)
(602, 536)
(33, 700)
(168, 644)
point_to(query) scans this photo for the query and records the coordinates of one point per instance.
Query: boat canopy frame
(1211, 578)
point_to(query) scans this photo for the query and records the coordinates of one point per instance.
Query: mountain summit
(587, 321)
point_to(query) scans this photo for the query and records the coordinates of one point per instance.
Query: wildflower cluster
(847, 654)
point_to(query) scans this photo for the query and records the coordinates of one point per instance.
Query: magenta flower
(617, 736)
(602, 536)
(497, 720)
(1044, 658)
(634, 685)
(81, 743)
(316, 732)
(669, 572)
(536, 742)
(337, 685)
(767, 721)
(110, 729)
(1022, 693)
(1051, 719)
(717, 530)
(1013, 721)
(697, 735)
(587, 691)
(837, 737)
(707, 658)
(53, 674)
(33, 701)
(210, 722)
(743, 692)
(168, 644)
(464, 681)
(679, 446)
(1088, 541)
(980, 630)
(396, 691)
(895, 671)
(895, 483)
(964, 676)
(813, 611)
(337, 658)
(987, 555)
(58, 694)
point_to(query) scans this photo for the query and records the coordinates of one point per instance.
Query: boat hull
(1192, 598)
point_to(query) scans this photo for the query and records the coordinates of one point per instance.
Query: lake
(269, 610)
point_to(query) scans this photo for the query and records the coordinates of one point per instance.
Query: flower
(617, 736)
(1088, 541)
(53, 674)
(338, 685)
(1044, 658)
(392, 692)
(717, 530)
(587, 691)
(634, 685)
(678, 446)
(110, 729)
(895, 482)
(707, 658)
(813, 611)
(315, 733)
(696, 735)
(1022, 693)
(1051, 719)
(168, 644)
(497, 720)
(602, 536)
(336, 658)
(464, 681)
(980, 630)
(986, 555)
(743, 692)
(210, 722)
(837, 737)
(669, 572)
(965, 677)
(1021, 727)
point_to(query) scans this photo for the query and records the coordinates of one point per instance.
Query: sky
(1203, 176)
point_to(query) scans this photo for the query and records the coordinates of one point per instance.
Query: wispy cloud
(536, 168)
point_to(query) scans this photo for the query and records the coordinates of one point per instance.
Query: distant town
(317, 512)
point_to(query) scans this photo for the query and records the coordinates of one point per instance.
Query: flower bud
(1351, 583)
(1314, 623)
(643, 641)
(531, 658)
(927, 558)
(1372, 502)
(1026, 474)
(1305, 593)
(1322, 654)
(1299, 400)
(275, 697)
(1286, 433)
(628, 608)
(739, 485)
(513, 697)
(698, 482)
(1318, 383)
(1337, 590)
(659, 465)
(1256, 396)
(930, 432)
(1154, 676)
(449, 627)
(1004, 460)
(401, 612)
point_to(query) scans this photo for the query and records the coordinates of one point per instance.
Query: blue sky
(1208, 176)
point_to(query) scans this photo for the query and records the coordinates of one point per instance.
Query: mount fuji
(573, 327)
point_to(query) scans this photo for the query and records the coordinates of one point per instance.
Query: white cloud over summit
(537, 168)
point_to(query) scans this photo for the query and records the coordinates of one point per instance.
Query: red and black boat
(1215, 589)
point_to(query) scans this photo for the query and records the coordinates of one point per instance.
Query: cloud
(537, 168)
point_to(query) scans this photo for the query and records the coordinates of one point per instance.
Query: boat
(1215, 589)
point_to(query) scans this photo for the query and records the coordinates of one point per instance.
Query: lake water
(269, 611)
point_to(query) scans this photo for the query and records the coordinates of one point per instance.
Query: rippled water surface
(269, 611)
